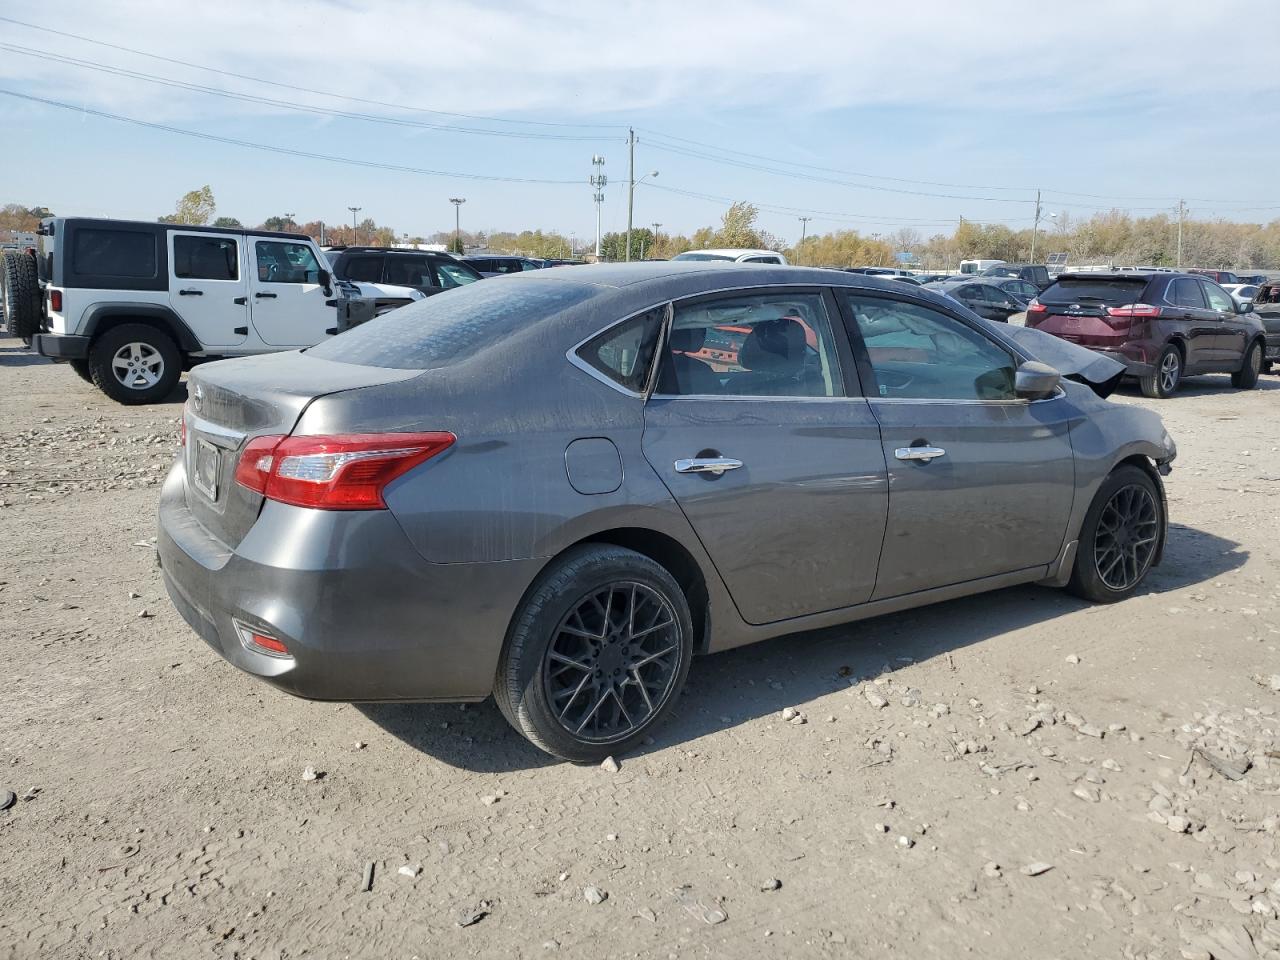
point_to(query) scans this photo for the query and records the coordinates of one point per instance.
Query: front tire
(81, 367)
(135, 363)
(596, 654)
(1163, 381)
(1246, 378)
(1122, 535)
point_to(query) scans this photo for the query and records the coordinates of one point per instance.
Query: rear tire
(1121, 537)
(596, 655)
(1163, 380)
(135, 363)
(1246, 378)
(21, 296)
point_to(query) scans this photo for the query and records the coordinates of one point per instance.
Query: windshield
(701, 256)
(444, 329)
(1110, 290)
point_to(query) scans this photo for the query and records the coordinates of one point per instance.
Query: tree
(14, 216)
(456, 244)
(194, 209)
(613, 246)
(283, 224)
(228, 223)
(737, 227)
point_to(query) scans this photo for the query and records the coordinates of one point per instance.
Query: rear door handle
(191, 293)
(712, 465)
(919, 453)
(265, 296)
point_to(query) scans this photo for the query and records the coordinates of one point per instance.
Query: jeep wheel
(134, 363)
(1246, 378)
(21, 296)
(81, 367)
(1164, 379)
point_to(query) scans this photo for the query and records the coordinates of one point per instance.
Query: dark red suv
(1162, 326)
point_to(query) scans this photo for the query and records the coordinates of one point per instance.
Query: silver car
(557, 487)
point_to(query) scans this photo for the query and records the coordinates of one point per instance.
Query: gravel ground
(1014, 775)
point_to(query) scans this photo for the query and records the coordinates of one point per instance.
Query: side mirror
(1035, 380)
(326, 282)
(1244, 308)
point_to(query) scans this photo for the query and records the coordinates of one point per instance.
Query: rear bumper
(1132, 367)
(60, 346)
(364, 616)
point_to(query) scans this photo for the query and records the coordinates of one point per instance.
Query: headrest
(688, 339)
(774, 346)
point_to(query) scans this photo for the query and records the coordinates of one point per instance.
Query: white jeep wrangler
(131, 304)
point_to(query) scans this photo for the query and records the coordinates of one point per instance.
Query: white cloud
(575, 60)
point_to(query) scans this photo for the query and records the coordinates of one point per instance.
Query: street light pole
(1182, 212)
(631, 184)
(354, 211)
(1035, 228)
(631, 196)
(457, 222)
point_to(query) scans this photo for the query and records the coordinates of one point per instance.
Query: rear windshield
(701, 256)
(452, 326)
(1111, 290)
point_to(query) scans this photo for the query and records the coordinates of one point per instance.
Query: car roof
(620, 275)
(735, 251)
(1114, 275)
(106, 222)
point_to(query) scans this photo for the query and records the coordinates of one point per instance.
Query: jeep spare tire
(21, 296)
(135, 363)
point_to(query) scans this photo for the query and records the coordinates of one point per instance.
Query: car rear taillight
(1134, 310)
(1035, 306)
(342, 472)
(55, 301)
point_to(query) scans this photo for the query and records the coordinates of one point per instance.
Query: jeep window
(280, 262)
(205, 258)
(114, 253)
(408, 271)
(453, 274)
(366, 269)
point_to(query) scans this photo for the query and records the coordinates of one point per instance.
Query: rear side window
(438, 331)
(408, 271)
(363, 269)
(624, 353)
(1185, 292)
(205, 258)
(114, 253)
(1114, 291)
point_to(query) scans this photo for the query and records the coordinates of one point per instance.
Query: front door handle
(919, 453)
(191, 293)
(265, 296)
(241, 301)
(712, 465)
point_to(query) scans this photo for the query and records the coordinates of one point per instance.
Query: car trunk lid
(1082, 310)
(232, 402)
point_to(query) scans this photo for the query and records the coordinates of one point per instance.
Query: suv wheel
(1246, 378)
(1163, 381)
(1120, 537)
(81, 367)
(135, 363)
(596, 655)
(21, 295)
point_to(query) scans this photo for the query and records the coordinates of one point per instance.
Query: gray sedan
(557, 487)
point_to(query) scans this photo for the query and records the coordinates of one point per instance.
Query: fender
(98, 316)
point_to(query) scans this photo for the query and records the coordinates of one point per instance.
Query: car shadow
(19, 356)
(731, 688)
(1202, 385)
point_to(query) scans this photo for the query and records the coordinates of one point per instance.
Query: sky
(874, 117)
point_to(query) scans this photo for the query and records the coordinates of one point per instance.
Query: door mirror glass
(1244, 308)
(1035, 380)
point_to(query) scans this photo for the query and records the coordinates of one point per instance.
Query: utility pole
(631, 184)
(457, 222)
(598, 181)
(804, 227)
(1182, 212)
(1035, 228)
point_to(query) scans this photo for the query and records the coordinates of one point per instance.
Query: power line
(289, 151)
(300, 89)
(285, 104)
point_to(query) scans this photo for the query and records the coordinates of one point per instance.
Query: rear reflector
(55, 301)
(343, 472)
(254, 638)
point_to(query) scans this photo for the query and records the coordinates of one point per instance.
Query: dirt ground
(1013, 775)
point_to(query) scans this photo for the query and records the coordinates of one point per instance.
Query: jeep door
(207, 286)
(288, 302)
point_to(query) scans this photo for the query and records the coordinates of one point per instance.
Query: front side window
(453, 275)
(114, 253)
(918, 353)
(1219, 299)
(624, 353)
(205, 258)
(764, 345)
(408, 271)
(281, 262)
(1185, 292)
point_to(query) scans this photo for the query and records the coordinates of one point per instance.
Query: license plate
(205, 475)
